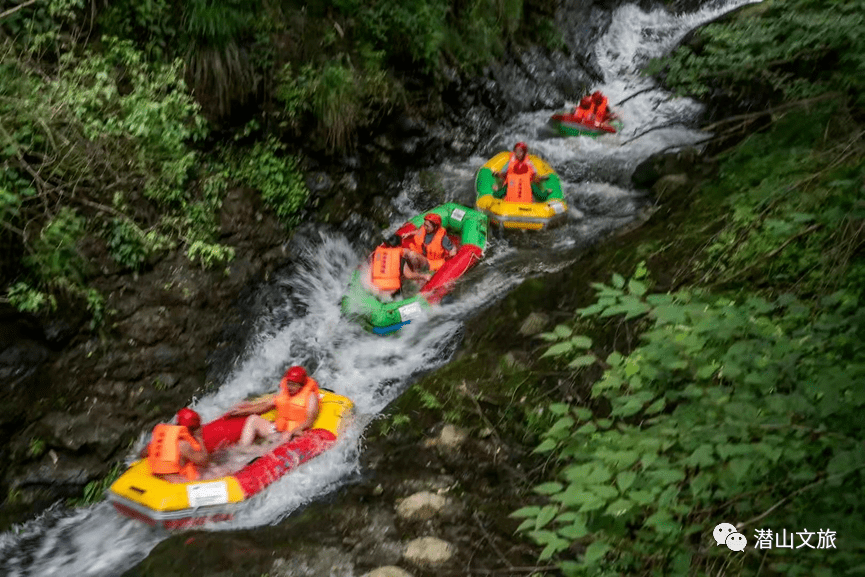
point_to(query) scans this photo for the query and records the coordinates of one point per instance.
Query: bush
(276, 176)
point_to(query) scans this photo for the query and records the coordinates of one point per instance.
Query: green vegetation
(94, 491)
(123, 123)
(739, 400)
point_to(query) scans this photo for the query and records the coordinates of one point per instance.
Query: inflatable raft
(567, 125)
(467, 229)
(550, 207)
(175, 503)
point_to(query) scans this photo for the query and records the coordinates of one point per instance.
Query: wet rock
(670, 184)
(428, 552)
(99, 431)
(657, 165)
(450, 437)
(421, 506)
(323, 562)
(388, 571)
(318, 182)
(533, 324)
(66, 474)
(149, 325)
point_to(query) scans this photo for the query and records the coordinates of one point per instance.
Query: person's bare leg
(254, 426)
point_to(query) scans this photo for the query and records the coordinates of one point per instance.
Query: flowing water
(373, 370)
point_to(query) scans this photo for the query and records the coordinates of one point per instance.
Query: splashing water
(371, 370)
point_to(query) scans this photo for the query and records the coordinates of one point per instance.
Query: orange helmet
(188, 418)
(295, 374)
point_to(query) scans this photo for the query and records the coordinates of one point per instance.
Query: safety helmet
(188, 418)
(433, 218)
(522, 145)
(586, 102)
(295, 374)
(597, 97)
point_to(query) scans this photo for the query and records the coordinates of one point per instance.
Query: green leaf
(546, 446)
(558, 349)
(618, 281)
(667, 476)
(619, 507)
(577, 530)
(563, 331)
(624, 480)
(581, 342)
(605, 492)
(548, 488)
(615, 359)
(600, 474)
(545, 516)
(595, 552)
(582, 361)
(526, 512)
(574, 495)
(592, 503)
(582, 413)
(527, 524)
(637, 288)
(559, 408)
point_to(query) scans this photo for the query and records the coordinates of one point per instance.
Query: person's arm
(448, 245)
(251, 408)
(198, 457)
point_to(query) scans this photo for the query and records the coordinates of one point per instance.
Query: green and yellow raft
(467, 228)
(550, 207)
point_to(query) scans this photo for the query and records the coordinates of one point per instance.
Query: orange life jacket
(434, 251)
(164, 452)
(519, 180)
(601, 111)
(386, 268)
(291, 409)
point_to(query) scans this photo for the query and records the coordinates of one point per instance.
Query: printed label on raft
(203, 494)
(458, 214)
(557, 207)
(409, 311)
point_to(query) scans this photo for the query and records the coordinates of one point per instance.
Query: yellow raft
(549, 208)
(170, 504)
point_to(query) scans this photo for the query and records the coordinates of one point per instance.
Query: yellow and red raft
(170, 504)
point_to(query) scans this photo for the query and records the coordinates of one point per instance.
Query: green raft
(466, 227)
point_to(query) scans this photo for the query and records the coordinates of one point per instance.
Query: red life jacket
(386, 269)
(434, 251)
(291, 409)
(164, 451)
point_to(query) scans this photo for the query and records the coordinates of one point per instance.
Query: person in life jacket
(600, 108)
(178, 449)
(391, 263)
(519, 173)
(296, 407)
(432, 241)
(583, 112)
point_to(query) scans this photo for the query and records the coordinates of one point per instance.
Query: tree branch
(12, 11)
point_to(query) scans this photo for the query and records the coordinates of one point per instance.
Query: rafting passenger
(296, 409)
(600, 108)
(583, 111)
(178, 449)
(432, 242)
(391, 263)
(518, 174)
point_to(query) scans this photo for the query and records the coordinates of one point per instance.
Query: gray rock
(670, 184)
(99, 431)
(533, 324)
(450, 437)
(388, 571)
(428, 552)
(420, 506)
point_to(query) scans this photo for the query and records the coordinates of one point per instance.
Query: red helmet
(188, 418)
(522, 145)
(295, 374)
(586, 102)
(597, 97)
(433, 218)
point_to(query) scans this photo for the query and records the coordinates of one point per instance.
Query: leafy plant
(723, 399)
(95, 490)
(276, 175)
